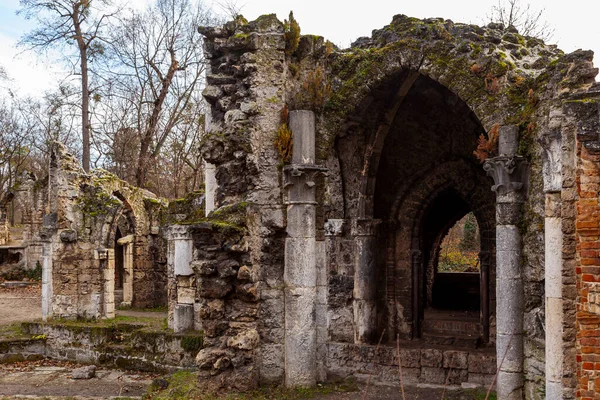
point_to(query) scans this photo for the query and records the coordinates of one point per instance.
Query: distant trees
(27, 128)
(141, 113)
(155, 67)
(523, 17)
(69, 24)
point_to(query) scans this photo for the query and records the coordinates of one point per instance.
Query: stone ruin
(313, 248)
(95, 237)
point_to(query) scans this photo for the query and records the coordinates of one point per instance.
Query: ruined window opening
(119, 261)
(460, 247)
(456, 283)
(10, 257)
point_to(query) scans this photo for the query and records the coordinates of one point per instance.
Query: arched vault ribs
(420, 216)
(419, 139)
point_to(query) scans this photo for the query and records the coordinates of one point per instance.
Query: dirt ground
(20, 304)
(52, 379)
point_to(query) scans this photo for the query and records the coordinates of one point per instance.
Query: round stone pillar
(300, 271)
(510, 173)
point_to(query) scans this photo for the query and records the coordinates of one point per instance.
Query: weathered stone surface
(214, 288)
(87, 372)
(245, 340)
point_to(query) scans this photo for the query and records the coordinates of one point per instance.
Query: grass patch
(11, 331)
(182, 385)
(149, 322)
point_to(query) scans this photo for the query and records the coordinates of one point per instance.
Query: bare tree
(528, 21)
(231, 8)
(68, 24)
(156, 69)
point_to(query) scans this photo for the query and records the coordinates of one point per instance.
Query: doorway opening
(119, 268)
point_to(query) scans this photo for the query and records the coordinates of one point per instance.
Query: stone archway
(421, 216)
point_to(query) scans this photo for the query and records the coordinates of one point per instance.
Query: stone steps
(465, 342)
(452, 326)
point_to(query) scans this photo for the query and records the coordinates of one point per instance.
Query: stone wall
(581, 109)
(83, 214)
(420, 365)
(127, 346)
(246, 91)
(399, 115)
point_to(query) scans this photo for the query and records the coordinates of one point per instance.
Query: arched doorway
(418, 177)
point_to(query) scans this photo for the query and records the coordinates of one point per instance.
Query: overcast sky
(575, 22)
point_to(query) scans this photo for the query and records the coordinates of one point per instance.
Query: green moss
(266, 21)
(240, 20)
(192, 344)
(96, 202)
(475, 50)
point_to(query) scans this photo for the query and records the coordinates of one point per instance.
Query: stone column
(300, 272)
(365, 291)
(510, 174)
(210, 187)
(127, 243)
(46, 236)
(553, 253)
(47, 291)
(106, 257)
(179, 257)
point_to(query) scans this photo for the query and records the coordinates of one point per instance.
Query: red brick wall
(588, 274)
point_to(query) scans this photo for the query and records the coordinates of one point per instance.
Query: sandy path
(20, 304)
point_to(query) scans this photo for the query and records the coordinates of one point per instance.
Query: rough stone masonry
(332, 177)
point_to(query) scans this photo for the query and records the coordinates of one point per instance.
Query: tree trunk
(144, 158)
(85, 91)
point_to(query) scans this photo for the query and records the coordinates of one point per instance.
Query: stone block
(270, 363)
(300, 262)
(457, 376)
(302, 124)
(456, 359)
(300, 358)
(431, 358)
(300, 310)
(340, 325)
(213, 288)
(183, 257)
(87, 372)
(432, 375)
(186, 295)
(411, 358)
(482, 363)
(301, 221)
(183, 317)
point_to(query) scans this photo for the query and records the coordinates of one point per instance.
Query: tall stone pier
(365, 290)
(510, 174)
(553, 265)
(300, 274)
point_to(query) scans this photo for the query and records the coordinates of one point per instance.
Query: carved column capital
(177, 232)
(299, 180)
(510, 174)
(334, 227)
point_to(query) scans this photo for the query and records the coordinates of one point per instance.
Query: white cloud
(29, 74)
